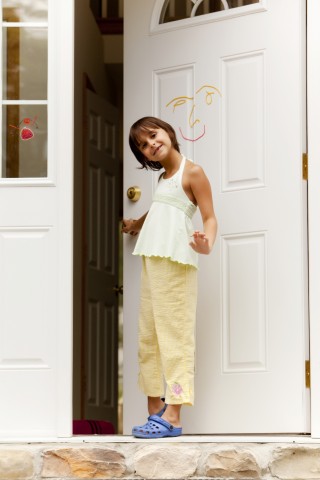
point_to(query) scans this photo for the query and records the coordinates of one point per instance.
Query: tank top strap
(181, 169)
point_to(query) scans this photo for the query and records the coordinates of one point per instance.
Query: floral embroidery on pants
(176, 389)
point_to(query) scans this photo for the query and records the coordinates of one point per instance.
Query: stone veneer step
(154, 460)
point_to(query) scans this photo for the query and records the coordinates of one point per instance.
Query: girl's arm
(132, 226)
(203, 241)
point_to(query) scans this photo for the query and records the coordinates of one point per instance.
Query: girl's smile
(157, 150)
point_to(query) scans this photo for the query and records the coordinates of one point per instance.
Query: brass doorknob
(134, 193)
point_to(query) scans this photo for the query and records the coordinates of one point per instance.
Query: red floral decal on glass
(26, 133)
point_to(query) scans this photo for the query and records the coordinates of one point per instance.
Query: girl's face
(155, 144)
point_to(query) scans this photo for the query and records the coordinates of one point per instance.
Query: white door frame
(62, 80)
(313, 103)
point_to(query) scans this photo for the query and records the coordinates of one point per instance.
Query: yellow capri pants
(167, 330)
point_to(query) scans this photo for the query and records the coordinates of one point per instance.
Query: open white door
(252, 312)
(36, 218)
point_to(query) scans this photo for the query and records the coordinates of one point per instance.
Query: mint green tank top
(168, 228)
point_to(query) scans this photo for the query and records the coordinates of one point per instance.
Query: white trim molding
(313, 81)
(61, 94)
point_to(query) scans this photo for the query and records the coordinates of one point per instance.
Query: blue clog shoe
(159, 414)
(156, 427)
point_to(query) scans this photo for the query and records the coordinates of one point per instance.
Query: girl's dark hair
(144, 125)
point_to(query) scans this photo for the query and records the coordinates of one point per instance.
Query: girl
(169, 249)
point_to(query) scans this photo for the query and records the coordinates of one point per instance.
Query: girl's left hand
(200, 243)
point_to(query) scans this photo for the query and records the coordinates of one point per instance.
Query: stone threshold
(183, 458)
(227, 438)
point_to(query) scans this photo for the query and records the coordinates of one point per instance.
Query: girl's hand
(130, 226)
(200, 243)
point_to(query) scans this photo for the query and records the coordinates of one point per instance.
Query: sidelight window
(24, 97)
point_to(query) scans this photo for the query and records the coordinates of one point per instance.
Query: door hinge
(305, 166)
(308, 378)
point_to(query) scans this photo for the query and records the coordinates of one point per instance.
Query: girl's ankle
(173, 420)
(155, 407)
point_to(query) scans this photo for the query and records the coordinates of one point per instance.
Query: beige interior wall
(113, 48)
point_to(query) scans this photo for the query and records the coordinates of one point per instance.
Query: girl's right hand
(130, 226)
(200, 243)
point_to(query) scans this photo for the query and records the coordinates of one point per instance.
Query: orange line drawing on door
(208, 91)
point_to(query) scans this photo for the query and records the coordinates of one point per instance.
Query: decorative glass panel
(176, 10)
(24, 60)
(24, 141)
(25, 10)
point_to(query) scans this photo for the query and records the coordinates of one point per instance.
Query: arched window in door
(176, 10)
